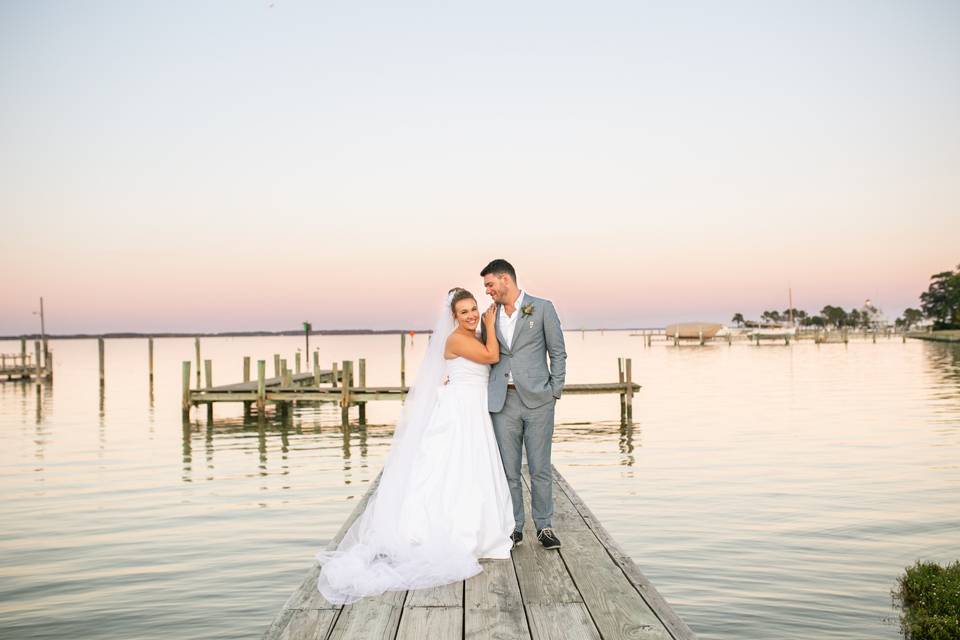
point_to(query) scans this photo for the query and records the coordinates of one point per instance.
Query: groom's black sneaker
(517, 537)
(548, 538)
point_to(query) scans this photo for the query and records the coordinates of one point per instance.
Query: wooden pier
(21, 366)
(343, 385)
(588, 589)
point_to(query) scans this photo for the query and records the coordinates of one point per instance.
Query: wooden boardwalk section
(588, 589)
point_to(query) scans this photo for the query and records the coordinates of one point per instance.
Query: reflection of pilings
(187, 456)
(39, 416)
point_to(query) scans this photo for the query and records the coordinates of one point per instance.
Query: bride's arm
(472, 349)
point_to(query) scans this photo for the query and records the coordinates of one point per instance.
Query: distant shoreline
(254, 334)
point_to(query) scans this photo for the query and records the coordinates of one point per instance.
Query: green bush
(929, 595)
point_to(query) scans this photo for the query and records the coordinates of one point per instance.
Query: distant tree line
(940, 303)
(866, 317)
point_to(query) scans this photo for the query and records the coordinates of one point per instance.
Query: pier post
(316, 368)
(629, 398)
(296, 362)
(403, 359)
(100, 351)
(334, 375)
(362, 384)
(208, 371)
(623, 394)
(246, 378)
(38, 364)
(345, 393)
(23, 352)
(701, 337)
(185, 406)
(150, 361)
(276, 365)
(261, 386)
(846, 338)
(196, 346)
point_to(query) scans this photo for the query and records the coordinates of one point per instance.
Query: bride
(443, 500)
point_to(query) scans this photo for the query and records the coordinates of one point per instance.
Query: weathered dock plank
(588, 589)
(493, 607)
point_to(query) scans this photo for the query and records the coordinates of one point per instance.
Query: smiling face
(466, 313)
(497, 286)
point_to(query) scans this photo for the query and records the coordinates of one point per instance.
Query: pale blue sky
(639, 162)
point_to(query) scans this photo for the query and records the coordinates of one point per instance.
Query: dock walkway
(587, 589)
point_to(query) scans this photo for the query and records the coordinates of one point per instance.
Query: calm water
(768, 492)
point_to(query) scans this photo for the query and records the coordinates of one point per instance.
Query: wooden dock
(340, 385)
(20, 366)
(587, 589)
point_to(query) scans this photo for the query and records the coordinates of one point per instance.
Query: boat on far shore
(692, 330)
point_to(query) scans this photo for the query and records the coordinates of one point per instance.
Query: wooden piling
(362, 384)
(261, 386)
(316, 368)
(345, 392)
(334, 375)
(185, 406)
(623, 394)
(296, 362)
(196, 346)
(150, 359)
(276, 365)
(100, 351)
(629, 398)
(403, 359)
(23, 351)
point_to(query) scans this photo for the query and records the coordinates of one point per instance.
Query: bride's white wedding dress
(443, 500)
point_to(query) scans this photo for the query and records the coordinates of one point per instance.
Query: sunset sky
(217, 166)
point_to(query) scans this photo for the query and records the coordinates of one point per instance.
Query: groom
(523, 391)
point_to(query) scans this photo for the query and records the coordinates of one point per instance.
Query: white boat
(773, 333)
(692, 330)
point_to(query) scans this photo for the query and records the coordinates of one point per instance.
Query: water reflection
(309, 424)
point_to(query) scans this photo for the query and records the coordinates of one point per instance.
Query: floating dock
(589, 589)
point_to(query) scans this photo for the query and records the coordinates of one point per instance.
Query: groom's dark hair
(498, 266)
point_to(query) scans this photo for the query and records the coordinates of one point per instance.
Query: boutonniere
(527, 309)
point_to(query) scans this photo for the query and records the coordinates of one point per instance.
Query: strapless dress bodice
(463, 371)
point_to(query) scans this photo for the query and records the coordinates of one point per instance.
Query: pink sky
(252, 168)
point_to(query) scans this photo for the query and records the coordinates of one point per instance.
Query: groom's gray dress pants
(516, 426)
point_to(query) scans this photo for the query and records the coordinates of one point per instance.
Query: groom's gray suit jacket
(534, 336)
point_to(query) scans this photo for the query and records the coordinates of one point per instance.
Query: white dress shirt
(508, 324)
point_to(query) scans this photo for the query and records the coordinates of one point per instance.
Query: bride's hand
(490, 315)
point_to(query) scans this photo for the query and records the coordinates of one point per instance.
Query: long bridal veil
(375, 555)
